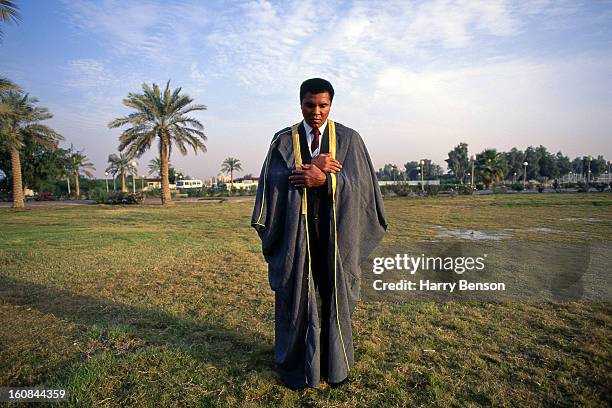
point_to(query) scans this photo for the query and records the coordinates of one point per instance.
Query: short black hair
(315, 86)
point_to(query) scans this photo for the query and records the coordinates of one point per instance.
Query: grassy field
(152, 306)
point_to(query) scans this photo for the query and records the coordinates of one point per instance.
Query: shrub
(583, 187)
(517, 186)
(432, 190)
(600, 186)
(193, 192)
(556, 185)
(121, 198)
(401, 190)
(98, 194)
(155, 192)
(44, 196)
(465, 189)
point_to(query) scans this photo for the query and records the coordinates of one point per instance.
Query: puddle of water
(532, 229)
(581, 219)
(470, 234)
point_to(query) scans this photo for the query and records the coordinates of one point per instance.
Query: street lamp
(134, 177)
(473, 158)
(106, 179)
(525, 174)
(514, 178)
(422, 163)
(589, 172)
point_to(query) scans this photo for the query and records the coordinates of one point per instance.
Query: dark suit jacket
(319, 201)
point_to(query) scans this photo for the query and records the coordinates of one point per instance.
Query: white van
(188, 183)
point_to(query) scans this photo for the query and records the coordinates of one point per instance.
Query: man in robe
(319, 213)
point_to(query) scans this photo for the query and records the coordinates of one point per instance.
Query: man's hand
(325, 163)
(309, 176)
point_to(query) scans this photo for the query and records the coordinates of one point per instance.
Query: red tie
(315, 141)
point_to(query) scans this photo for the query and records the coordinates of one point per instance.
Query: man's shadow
(240, 351)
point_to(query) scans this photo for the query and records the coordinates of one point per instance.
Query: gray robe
(359, 226)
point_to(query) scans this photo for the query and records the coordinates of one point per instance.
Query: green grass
(152, 306)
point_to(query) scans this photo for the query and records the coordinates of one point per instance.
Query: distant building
(245, 183)
(155, 183)
(214, 181)
(152, 183)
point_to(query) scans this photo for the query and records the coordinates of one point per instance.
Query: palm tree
(491, 166)
(78, 163)
(162, 117)
(6, 85)
(8, 13)
(230, 165)
(66, 171)
(19, 121)
(120, 163)
(155, 166)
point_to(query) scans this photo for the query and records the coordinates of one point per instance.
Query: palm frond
(8, 13)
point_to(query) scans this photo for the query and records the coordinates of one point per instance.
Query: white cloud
(197, 75)
(156, 31)
(268, 43)
(87, 73)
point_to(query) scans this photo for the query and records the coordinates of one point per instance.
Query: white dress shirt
(310, 137)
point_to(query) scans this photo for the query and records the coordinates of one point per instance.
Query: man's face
(315, 108)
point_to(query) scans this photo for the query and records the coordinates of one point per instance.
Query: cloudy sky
(414, 78)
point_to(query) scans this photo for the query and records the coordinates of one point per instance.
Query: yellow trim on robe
(297, 157)
(332, 152)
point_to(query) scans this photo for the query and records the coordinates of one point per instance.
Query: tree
(458, 161)
(8, 14)
(411, 171)
(389, 172)
(430, 170)
(514, 160)
(6, 85)
(78, 163)
(547, 164)
(155, 169)
(578, 166)
(66, 171)
(491, 166)
(19, 122)
(230, 165)
(40, 166)
(598, 166)
(532, 157)
(563, 164)
(155, 166)
(161, 116)
(120, 163)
